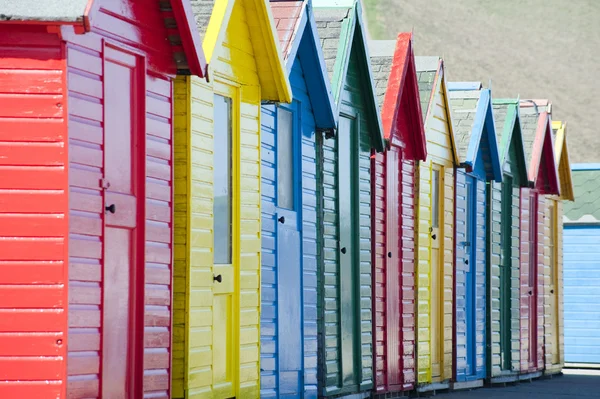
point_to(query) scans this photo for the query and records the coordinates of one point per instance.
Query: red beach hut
(86, 198)
(536, 127)
(394, 209)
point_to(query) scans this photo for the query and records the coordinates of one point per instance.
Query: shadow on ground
(572, 384)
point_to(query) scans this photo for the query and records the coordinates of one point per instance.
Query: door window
(222, 180)
(435, 199)
(285, 159)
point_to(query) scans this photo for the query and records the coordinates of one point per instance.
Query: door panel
(470, 267)
(348, 260)
(225, 308)
(437, 287)
(289, 259)
(121, 317)
(553, 333)
(393, 272)
(505, 274)
(532, 280)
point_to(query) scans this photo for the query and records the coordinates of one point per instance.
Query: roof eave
(190, 37)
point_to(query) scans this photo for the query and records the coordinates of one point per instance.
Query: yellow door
(553, 288)
(225, 306)
(436, 287)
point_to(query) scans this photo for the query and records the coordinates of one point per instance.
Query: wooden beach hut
(536, 127)
(218, 200)
(344, 213)
(477, 148)
(435, 231)
(394, 214)
(504, 249)
(289, 205)
(553, 276)
(86, 126)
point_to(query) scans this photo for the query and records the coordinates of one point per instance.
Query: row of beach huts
(243, 198)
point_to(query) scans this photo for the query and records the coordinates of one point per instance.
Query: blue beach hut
(477, 150)
(289, 209)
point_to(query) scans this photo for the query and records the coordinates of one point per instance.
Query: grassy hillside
(532, 48)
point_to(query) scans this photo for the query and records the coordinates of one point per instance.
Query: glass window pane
(222, 181)
(435, 199)
(285, 159)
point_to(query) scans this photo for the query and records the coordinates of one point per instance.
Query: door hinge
(104, 183)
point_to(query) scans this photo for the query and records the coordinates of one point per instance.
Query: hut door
(349, 306)
(392, 269)
(532, 280)
(505, 273)
(553, 334)
(122, 289)
(225, 307)
(289, 263)
(470, 275)
(437, 286)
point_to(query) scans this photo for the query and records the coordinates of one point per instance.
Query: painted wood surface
(505, 245)
(218, 318)
(393, 220)
(435, 256)
(35, 214)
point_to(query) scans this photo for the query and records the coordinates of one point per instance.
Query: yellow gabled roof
(561, 155)
(213, 18)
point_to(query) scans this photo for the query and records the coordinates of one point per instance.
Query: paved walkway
(572, 384)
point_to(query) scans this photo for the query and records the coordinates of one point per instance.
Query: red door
(122, 316)
(532, 280)
(393, 274)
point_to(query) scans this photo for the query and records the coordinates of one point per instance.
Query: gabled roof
(212, 18)
(80, 13)
(342, 30)
(431, 75)
(299, 39)
(473, 118)
(398, 93)
(561, 156)
(586, 188)
(539, 148)
(508, 127)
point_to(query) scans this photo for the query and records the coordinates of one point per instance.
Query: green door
(505, 274)
(349, 309)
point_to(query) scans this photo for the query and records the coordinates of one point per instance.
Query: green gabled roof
(508, 124)
(341, 29)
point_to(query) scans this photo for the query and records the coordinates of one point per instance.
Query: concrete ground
(573, 383)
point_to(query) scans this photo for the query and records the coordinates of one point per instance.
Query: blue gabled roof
(472, 115)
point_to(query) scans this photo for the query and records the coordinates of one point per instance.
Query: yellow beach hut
(435, 231)
(217, 200)
(553, 254)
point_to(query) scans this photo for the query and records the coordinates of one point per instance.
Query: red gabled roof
(190, 37)
(401, 110)
(286, 15)
(543, 170)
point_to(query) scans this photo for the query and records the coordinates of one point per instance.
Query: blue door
(581, 279)
(288, 255)
(470, 268)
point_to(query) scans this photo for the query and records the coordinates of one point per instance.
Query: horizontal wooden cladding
(31, 105)
(32, 296)
(31, 389)
(31, 81)
(31, 272)
(31, 177)
(32, 249)
(32, 344)
(32, 320)
(32, 154)
(32, 130)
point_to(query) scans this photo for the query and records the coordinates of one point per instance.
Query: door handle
(466, 261)
(552, 291)
(343, 250)
(389, 254)
(111, 208)
(433, 236)
(281, 220)
(218, 278)
(530, 293)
